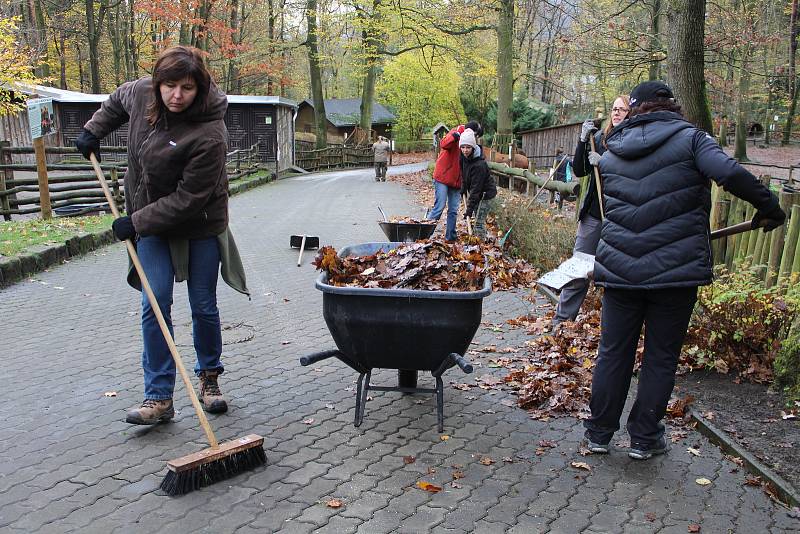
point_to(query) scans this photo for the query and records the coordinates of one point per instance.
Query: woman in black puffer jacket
(654, 252)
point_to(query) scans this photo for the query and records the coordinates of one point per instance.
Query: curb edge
(720, 438)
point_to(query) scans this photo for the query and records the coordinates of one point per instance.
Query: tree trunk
(505, 66)
(233, 69)
(743, 109)
(655, 41)
(371, 42)
(794, 29)
(686, 20)
(42, 69)
(92, 38)
(316, 75)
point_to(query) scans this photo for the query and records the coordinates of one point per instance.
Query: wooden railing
(72, 184)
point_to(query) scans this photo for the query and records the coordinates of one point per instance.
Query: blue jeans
(157, 362)
(451, 195)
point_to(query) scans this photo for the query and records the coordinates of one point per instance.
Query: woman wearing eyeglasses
(589, 218)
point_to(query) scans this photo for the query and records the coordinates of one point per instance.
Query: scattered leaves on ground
(703, 481)
(581, 465)
(427, 486)
(486, 460)
(334, 503)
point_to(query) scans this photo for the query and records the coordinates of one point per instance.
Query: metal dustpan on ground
(303, 242)
(579, 266)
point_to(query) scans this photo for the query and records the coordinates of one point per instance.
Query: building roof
(347, 112)
(440, 126)
(63, 95)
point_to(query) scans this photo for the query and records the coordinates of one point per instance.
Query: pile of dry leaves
(427, 265)
(399, 219)
(556, 379)
(430, 264)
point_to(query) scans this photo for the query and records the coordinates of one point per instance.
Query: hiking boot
(151, 412)
(210, 394)
(639, 451)
(593, 446)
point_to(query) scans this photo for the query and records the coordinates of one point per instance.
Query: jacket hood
(642, 134)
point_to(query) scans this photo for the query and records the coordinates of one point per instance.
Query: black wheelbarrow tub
(404, 329)
(399, 328)
(404, 232)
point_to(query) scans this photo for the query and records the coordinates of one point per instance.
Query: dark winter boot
(210, 394)
(151, 412)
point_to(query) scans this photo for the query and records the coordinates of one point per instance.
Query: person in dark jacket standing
(447, 178)
(477, 183)
(654, 252)
(176, 199)
(589, 223)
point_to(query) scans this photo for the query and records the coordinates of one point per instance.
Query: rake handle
(302, 248)
(597, 181)
(469, 226)
(212, 439)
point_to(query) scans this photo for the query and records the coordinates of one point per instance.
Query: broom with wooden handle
(219, 461)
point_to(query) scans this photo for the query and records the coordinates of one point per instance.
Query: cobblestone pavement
(69, 463)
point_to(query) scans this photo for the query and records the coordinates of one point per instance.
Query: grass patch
(17, 236)
(542, 236)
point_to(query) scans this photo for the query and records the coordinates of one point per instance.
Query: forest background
(511, 64)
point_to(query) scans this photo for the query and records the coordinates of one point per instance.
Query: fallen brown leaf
(427, 486)
(457, 475)
(650, 516)
(581, 465)
(309, 421)
(334, 503)
(486, 460)
(409, 460)
(694, 528)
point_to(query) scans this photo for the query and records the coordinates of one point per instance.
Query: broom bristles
(180, 483)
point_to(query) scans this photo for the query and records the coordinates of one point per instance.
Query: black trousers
(665, 315)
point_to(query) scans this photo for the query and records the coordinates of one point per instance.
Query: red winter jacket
(448, 165)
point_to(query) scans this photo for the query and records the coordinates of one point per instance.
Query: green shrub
(739, 325)
(542, 236)
(787, 367)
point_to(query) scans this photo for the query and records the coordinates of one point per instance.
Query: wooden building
(541, 145)
(343, 116)
(267, 120)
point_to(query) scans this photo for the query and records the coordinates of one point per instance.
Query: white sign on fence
(41, 117)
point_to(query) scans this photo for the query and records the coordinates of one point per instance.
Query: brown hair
(175, 64)
(659, 104)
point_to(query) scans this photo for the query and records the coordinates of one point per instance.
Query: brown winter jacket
(176, 184)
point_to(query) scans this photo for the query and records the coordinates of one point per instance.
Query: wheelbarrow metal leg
(440, 403)
(361, 397)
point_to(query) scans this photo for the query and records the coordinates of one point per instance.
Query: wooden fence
(72, 184)
(773, 256)
(333, 157)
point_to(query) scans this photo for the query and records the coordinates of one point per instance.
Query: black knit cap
(649, 91)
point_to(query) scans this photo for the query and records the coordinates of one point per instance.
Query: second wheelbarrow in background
(404, 329)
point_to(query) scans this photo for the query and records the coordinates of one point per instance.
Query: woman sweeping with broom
(176, 199)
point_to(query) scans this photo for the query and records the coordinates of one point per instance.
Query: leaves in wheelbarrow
(430, 264)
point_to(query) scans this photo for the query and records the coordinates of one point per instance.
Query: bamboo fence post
(776, 244)
(719, 214)
(743, 238)
(748, 238)
(795, 265)
(730, 241)
(790, 246)
(761, 238)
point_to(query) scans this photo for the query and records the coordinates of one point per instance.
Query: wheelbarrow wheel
(407, 378)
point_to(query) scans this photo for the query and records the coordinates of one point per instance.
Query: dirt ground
(752, 415)
(761, 157)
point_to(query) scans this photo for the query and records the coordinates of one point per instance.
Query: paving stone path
(69, 462)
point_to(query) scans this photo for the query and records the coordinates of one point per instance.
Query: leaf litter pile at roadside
(430, 264)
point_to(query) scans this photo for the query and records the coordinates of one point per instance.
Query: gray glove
(594, 158)
(587, 129)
